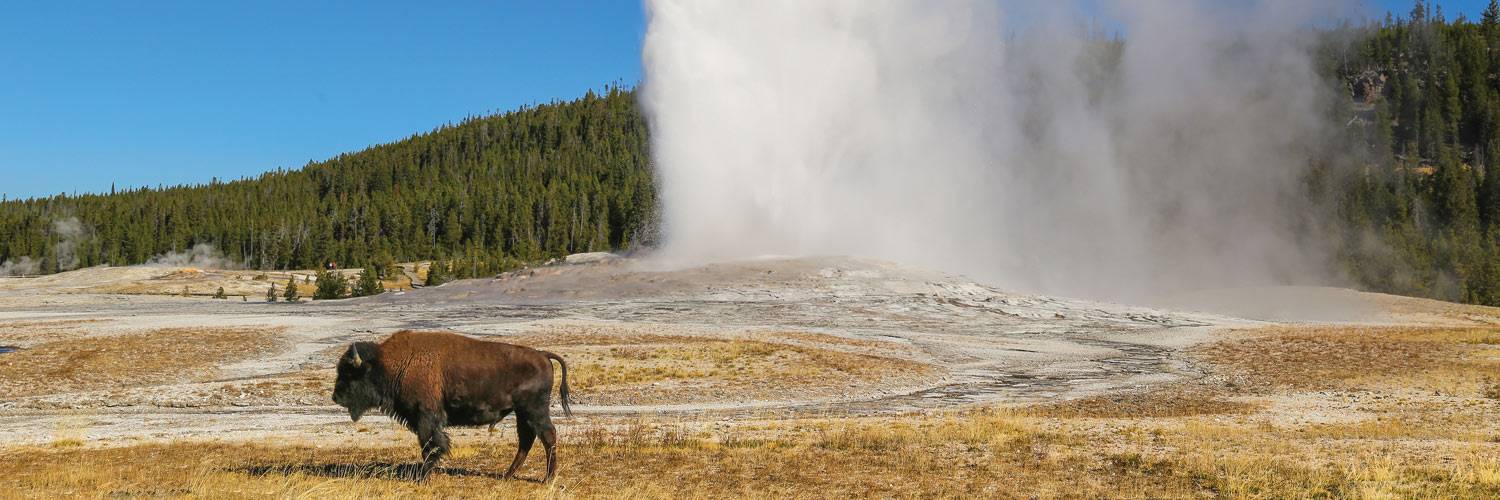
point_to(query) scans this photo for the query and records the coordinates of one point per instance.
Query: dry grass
(1435, 312)
(159, 356)
(307, 387)
(1156, 403)
(1447, 360)
(985, 454)
(668, 365)
(26, 333)
(659, 369)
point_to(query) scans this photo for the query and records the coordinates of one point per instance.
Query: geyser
(1004, 141)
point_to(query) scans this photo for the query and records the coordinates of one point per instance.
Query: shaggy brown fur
(432, 380)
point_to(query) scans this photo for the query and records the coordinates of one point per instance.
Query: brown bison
(431, 380)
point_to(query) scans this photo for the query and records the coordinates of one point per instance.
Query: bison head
(357, 387)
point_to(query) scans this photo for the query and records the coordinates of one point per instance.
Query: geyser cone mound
(986, 343)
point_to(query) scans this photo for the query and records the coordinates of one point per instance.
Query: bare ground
(812, 377)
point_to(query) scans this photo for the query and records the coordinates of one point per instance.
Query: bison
(428, 381)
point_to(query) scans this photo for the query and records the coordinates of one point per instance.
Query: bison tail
(563, 389)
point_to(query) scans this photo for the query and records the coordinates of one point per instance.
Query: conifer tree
(291, 294)
(331, 285)
(437, 273)
(368, 283)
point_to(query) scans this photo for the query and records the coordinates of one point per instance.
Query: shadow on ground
(373, 470)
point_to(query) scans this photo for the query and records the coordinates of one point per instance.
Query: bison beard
(430, 380)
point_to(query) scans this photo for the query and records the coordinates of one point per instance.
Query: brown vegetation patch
(1165, 402)
(623, 366)
(26, 333)
(308, 387)
(1332, 357)
(1428, 311)
(167, 355)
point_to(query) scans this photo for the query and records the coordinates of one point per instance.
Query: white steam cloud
(1038, 156)
(69, 232)
(202, 255)
(25, 266)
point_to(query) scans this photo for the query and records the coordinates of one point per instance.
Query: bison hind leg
(525, 437)
(541, 425)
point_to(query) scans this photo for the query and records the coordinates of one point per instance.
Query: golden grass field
(1284, 412)
(128, 359)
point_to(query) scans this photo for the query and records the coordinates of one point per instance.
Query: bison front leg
(434, 444)
(524, 438)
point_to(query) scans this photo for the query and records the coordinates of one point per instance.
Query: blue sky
(1451, 8)
(170, 92)
(141, 93)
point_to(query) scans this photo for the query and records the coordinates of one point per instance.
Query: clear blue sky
(1451, 8)
(146, 92)
(141, 93)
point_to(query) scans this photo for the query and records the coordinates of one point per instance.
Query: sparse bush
(271, 294)
(220, 294)
(331, 285)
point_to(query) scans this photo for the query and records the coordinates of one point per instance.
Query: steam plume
(1043, 156)
(25, 266)
(69, 231)
(202, 255)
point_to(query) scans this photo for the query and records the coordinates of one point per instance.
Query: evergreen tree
(437, 273)
(386, 265)
(368, 283)
(331, 285)
(271, 293)
(291, 294)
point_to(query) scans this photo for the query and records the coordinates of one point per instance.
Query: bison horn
(356, 361)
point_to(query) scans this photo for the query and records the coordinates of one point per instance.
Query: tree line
(1415, 202)
(483, 196)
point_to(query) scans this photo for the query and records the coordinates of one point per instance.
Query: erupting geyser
(1006, 141)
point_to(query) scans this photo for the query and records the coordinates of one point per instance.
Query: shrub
(331, 285)
(368, 283)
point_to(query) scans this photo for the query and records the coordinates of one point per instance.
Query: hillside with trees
(482, 195)
(1418, 209)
